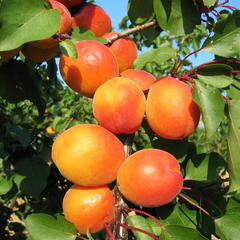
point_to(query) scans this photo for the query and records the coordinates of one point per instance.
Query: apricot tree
(103, 139)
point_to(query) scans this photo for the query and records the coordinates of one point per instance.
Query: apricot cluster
(91, 156)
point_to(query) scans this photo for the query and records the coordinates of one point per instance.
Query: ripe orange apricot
(39, 55)
(89, 208)
(119, 105)
(94, 66)
(170, 109)
(92, 17)
(50, 130)
(150, 178)
(88, 155)
(142, 78)
(65, 26)
(6, 55)
(124, 49)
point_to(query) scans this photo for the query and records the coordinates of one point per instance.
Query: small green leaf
(226, 43)
(233, 146)
(140, 12)
(212, 105)
(5, 185)
(177, 16)
(42, 226)
(139, 222)
(216, 75)
(17, 28)
(205, 167)
(234, 90)
(156, 229)
(177, 232)
(219, 81)
(157, 55)
(181, 215)
(209, 3)
(31, 176)
(227, 227)
(79, 34)
(68, 48)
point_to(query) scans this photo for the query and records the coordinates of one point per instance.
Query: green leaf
(18, 134)
(209, 3)
(68, 48)
(226, 43)
(227, 227)
(205, 167)
(177, 16)
(42, 226)
(31, 176)
(233, 146)
(23, 21)
(157, 55)
(140, 12)
(155, 228)
(218, 81)
(178, 148)
(80, 34)
(234, 90)
(139, 222)
(20, 84)
(181, 215)
(216, 75)
(5, 185)
(177, 232)
(212, 105)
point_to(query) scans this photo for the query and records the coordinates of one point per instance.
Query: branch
(131, 30)
(119, 232)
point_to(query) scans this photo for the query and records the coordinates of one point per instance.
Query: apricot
(119, 105)
(64, 27)
(142, 78)
(92, 17)
(124, 49)
(6, 55)
(88, 155)
(39, 55)
(170, 109)
(95, 65)
(150, 178)
(89, 208)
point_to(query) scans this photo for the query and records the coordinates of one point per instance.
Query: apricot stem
(131, 30)
(196, 205)
(80, 237)
(109, 232)
(139, 230)
(146, 214)
(175, 69)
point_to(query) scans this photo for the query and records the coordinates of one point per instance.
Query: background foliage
(33, 98)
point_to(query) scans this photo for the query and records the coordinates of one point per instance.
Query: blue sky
(118, 8)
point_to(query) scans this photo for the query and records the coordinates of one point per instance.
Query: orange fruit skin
(142, 78)
(89, 207)
(6, 55)
(65, 26)
(170, 109)
(119, 105)
(39, 55)
(95, 65)
(150, 178)
(92, 17)
(88, 155)
(124, 49)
